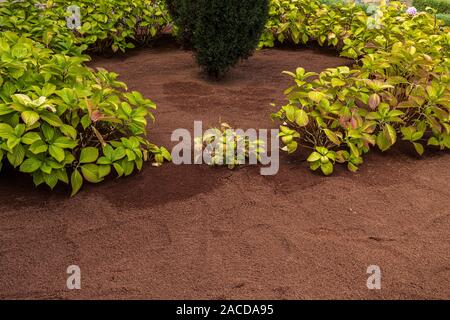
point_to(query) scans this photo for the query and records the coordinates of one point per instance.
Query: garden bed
(196, 232)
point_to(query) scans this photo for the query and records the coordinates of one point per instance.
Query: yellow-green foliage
(62, 122)
(105, 24)
(399, 89)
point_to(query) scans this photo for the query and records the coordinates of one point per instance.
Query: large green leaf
(30, 138)
(76, 181)
(69, 131)
(16, 156)
(51, 179)
(335, 82)
(301, 118)
(327, 168)
(419, 148)
(390, 134)
(88, 155)
(38, 147)
(332, 136)
(104, 170)
(30, 117)
(382, 142)
(315, 156)
(56, 152)
(315, 96)
(52, 119)
(91, 173)
(65, 143)
(30, 165)
(290, 112)
(6, 130)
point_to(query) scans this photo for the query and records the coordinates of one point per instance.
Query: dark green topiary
(184, 15)
(227, 31)
(441, 6)
(444, 17)
(220, 32)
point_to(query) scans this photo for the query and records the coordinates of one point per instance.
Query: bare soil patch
(195, 232)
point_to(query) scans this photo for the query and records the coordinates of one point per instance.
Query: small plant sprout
(226, 146)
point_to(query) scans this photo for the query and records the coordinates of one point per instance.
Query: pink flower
(411, 11)
(96, 116)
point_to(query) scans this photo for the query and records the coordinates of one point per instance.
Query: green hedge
(336, 3)
(442, 6)
(444, 17)
(398, 90)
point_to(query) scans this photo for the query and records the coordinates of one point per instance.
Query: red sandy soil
(195, 232)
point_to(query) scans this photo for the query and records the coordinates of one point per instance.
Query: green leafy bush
(400, 89)
(118, 24)
(105, 24)
(299, 21)
(41, 24)
(61, 121)
(441, 6)
(289, 21)
(337, 3)
(222, 32)
(445, 17)
(346, 26)
(395, 25)
(184, 15)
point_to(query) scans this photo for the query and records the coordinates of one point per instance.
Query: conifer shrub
(221, 33)
(183, 14)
